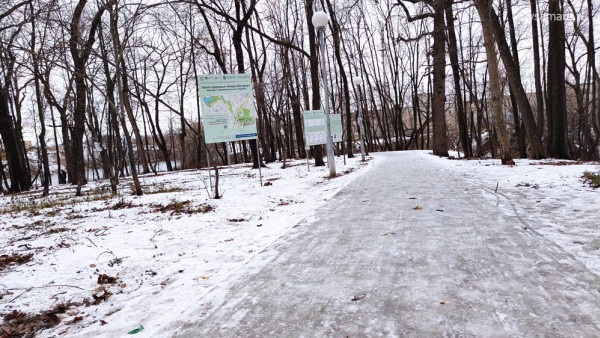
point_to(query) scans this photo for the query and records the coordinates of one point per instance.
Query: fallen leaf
(123, 285)
(99, 297)
(358, 296)
(205, 277)
(106, 279)
(417, 208)
(75, 320)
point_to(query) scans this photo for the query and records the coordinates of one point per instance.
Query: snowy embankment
(166, 248)
(549, 197)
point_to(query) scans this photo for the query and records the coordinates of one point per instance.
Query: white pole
(228, 153)
(258, 158)
(362, 142)
(307, 164)
(330, 155)
(209, 173)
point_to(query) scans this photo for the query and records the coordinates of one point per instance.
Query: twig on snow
(91, 242)
(105, 251)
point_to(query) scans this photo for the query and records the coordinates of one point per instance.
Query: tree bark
(440, 133)
(520, 133)
(80, 53)
(46, 177)
(557, 101)
(537, 70)
(123, 97)
(20, 177)
(453, 53)
(494, 77)
(16, 169)
(141, 153)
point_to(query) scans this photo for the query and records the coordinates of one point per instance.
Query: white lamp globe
(357, 80)
(320, 19)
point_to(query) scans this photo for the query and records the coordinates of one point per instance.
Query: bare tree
(557, 101)
(483, 7)
(80, 52)
(20, 178)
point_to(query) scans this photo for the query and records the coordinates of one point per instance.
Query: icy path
(409, 250)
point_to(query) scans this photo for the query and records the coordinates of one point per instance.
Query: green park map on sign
(227, 105)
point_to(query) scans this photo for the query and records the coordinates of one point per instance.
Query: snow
(550, 196)
(163, 260)
(167, 262)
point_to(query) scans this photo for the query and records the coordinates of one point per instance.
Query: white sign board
(315, 129)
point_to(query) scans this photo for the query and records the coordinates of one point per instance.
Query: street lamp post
(358, 81)
(320, 20)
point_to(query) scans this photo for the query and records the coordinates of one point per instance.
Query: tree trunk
(537, 72)
(314, 76)
(46, 177)
(17, 170)
(494, 77)
(557, 101)
(345, 87)
(595, 117)
(514, 78)
(440, 133)
(80, 53)
(139, 142)
(453, 52)
(124, 97)
(19, 173)
(520, 133)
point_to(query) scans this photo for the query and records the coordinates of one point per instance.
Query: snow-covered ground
(171, 246)
(550, 196)
(166, 248)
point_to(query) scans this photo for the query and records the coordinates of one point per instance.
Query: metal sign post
(209, 173)
(228, 153)
(329, 138)
(258, 158)
(307, 164)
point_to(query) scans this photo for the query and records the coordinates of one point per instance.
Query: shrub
(592, 178)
